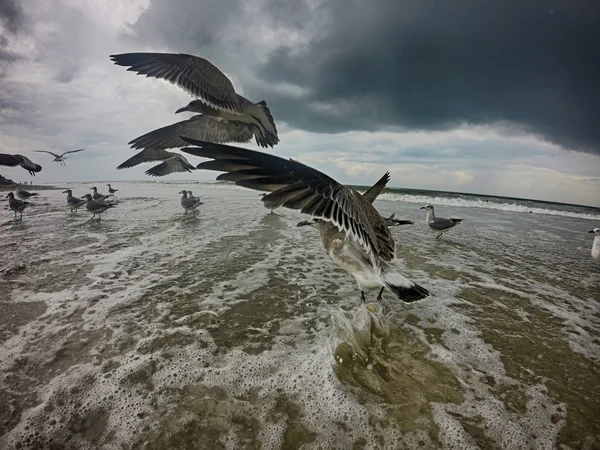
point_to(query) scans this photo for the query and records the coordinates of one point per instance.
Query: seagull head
(183, 192)
(193, 106)
(68, 191)
(427, 207)
(595, 231)
(87, 196)
(10, 195)
(93, 189)
(310, 222)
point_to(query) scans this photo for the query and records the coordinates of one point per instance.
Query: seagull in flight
(20, 160)
(60, 158)
(353, 232)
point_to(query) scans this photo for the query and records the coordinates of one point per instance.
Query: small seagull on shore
(596, 244)
(189, 204)
(438, 223)
(111, 191)
(97, 196)
(96, 207)
(73, 202)
(23, 194)
(16, 205)
(393, 222)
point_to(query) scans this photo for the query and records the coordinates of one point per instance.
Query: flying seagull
(225, 116)
(353, 233)
(172, 162)
(60, 158)
(96, 207)
(596, 244)
(73, 202)
(438, 223)
(16, 205)
(20, 160)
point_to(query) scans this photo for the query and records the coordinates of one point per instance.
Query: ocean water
(153, 329)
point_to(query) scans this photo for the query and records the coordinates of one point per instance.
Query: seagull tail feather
(404, 289)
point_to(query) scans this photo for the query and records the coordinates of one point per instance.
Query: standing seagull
(438, 223)
(353, 233)
(23, 194)
(96, 207)
(73, 202)
(596, 244)
(237, 117)
(16, 205)
(60, 158)
(189, 204)
(98, 197)
(20, 160)
(111, 191)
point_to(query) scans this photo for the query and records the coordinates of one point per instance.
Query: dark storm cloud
(12, 16)
(425, 64)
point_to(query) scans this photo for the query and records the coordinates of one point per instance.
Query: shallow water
(152, 329)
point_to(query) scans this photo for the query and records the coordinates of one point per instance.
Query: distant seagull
(596, 244)
(96, 207)
(393, 222)
(73, 202)
(16, 205)
(438, 223)
(97, 196)
(23, 194)
(20, 160)
(189, 204)
(237, 117)
(111, 191)
(173, 162)
(263, 195)
(60, 158)
(353, 233)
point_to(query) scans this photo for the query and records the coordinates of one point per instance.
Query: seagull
(438, 223)
(96, 207)
(596, 244)
(189, 204)
(225, 115)
(353, 233)
(98, 197)
(191, 196)
(393, 222)
(173, 162)
(111, 191)
(73, 202)
(16, 205)
(263, 195)
(20, 160)
(23, 194)
(60, 158)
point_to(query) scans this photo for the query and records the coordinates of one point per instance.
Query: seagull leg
(380, 295)
(438, 235)
(362, 296)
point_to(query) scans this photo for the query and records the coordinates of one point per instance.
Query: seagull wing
(194, 74)
(147, 155)
(292, 185)
(73, 151)
(374, 191)
(439, 223)
(45, 151)
(204, 128)
(177, 163)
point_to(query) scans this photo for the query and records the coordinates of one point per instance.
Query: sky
(482, 96)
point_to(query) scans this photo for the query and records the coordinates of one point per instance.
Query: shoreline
(39, 187)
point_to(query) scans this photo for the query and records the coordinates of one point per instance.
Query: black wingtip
(409, 295)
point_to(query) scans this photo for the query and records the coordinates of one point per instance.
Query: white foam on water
(464, 203)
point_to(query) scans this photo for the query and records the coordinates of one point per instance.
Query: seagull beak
(83, 196)
(181, 110)
(422, 207)
(591, 231)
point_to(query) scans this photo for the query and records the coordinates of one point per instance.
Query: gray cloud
(12, 16)
(424, 64)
